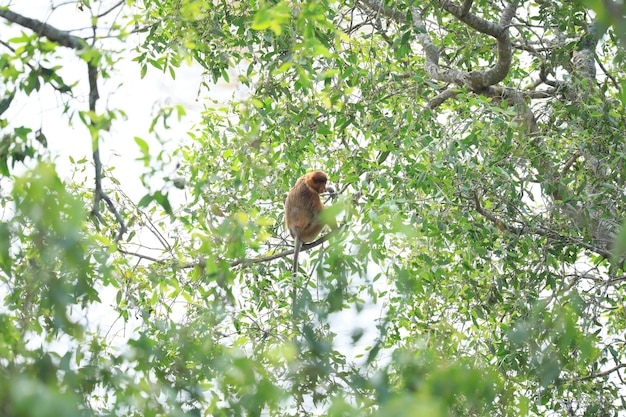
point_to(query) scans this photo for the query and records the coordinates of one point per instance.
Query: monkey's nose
(330, 190)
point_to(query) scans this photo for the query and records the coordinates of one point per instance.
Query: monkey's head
(316, 181)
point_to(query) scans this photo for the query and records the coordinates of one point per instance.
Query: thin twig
(141, 256)
(115, 6)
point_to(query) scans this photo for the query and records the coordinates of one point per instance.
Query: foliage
(479, 152)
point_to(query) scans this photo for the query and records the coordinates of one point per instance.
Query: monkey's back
(302, 211)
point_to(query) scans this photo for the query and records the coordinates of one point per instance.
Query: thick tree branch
(476, 80)
(61, 37)
(482, 25)
(431, 52)
(435, 102)
(465, 8)
(499, 31)
(379, 8)
(583, 57)
(527, 118)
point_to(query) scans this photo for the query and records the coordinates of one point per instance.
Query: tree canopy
(478, 152)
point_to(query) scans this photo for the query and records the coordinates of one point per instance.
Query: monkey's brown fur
(303, 209)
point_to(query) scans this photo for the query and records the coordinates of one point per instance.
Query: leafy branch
(305, 246)
(239, 262)
(601, 374)
(538, 230)
(66, 39)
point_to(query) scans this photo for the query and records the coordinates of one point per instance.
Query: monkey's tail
(296, 252)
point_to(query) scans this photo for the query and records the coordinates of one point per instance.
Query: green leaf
(273, 17)
(5, 102)
(163, 201)
(5, 245)
(146, 200)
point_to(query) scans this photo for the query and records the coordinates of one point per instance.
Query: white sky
(139, 98)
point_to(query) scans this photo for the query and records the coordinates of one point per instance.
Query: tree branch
(380, 8)
(476, 80)
(61, 37)
(537, 230)
(502, 226)
(238, 262)
(115, 6)
(482, 25)
(141, 256)
(601, 374)
(57, 84)
(99, 193)
(499, 31)
(435, 102)
(465, 8)
(526, 116)
(570, 162)
(305, 246)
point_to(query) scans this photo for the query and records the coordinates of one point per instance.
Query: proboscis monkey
(303, 209)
